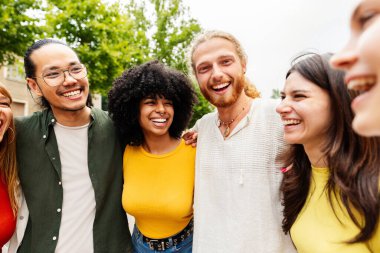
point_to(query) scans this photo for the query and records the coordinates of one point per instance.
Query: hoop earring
(13, 134)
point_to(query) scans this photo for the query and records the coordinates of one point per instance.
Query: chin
(366, 128)
(77, 108)
(290, 140)
(224, 102)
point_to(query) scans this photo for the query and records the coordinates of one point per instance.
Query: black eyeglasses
(56, 77)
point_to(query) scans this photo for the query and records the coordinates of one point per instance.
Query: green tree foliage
(275, 93)
(174, 30)
(17, 28)
(103, 34)
(201, 108)
(110, 38)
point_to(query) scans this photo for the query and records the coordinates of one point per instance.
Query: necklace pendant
(226, 132)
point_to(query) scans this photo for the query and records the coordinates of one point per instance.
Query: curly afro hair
(150, 79)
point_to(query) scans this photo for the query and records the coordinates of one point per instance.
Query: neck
(230, 116)
(159, 145)
(315, 156)
(73, 118)
(228, 113)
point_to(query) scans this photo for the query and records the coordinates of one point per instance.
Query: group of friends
(256, 175)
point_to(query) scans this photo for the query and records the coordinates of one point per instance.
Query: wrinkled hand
(190, 138)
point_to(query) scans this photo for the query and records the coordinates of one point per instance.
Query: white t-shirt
(237, 206)
(78, 208)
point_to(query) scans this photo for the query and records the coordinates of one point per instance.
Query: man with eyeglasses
(70, 162)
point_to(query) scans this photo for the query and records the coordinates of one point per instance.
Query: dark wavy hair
(30, 68)
(149, 80)
(353, 160)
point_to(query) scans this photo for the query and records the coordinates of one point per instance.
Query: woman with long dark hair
(331, 187)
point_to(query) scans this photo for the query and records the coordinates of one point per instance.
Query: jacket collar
(49, 121)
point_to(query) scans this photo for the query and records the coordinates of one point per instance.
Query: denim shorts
(139, 246)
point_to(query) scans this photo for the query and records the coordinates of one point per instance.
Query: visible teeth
(72, 93)
(361, 84)
(220, 86)
(291, 122)
(159, 120)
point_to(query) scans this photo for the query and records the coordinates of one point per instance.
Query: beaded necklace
(228, 123)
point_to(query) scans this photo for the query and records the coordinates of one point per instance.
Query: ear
(244, 65)
(33, 86)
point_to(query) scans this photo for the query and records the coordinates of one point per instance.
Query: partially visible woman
(360, 58)
(8, 169)
(331, 192)
(151, 105)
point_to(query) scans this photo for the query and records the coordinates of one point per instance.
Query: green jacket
(40, 175)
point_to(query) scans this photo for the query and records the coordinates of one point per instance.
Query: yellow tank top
(318, 230)
(158, 189)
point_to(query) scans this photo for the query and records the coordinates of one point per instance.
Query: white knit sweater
(237, 205)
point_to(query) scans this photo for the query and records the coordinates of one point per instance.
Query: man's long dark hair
(353, 161)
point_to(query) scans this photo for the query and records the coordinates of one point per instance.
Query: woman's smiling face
(361, 61)
(5, 114)
(305, 111)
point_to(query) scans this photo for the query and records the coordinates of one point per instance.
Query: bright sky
(273, 32)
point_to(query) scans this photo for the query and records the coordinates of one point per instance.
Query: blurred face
(361, 60)
(71, 94)
(305, 112)
(5, 115)
(219, 71)
(156, 116)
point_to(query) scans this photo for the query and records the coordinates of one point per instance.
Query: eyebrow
(296, 91)
(56, 67)
(226, 56)
(356, 12)
(282, 93)
(218, 58)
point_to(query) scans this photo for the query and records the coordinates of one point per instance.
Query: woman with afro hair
(151, 105)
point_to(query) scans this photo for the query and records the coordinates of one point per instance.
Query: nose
(68, 79)
(217, 73)
(344, 59)
(160, 107)
(283, 108)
